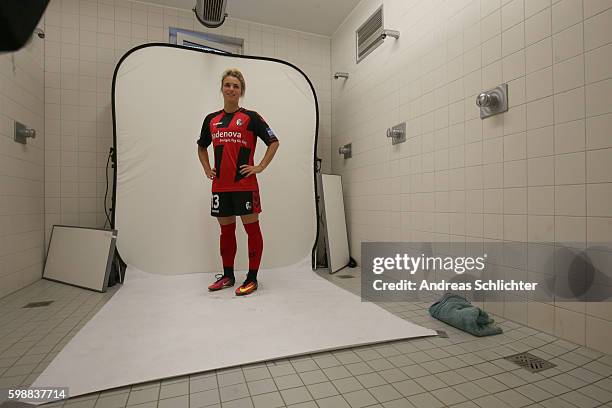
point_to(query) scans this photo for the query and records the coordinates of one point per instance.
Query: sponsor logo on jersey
(238, 122)
(219, 135)
(270, 132)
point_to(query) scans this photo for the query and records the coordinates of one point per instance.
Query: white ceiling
(311, 16)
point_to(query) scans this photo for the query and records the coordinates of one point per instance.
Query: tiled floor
(459, 371)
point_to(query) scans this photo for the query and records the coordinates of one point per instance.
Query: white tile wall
(21, 167)
(85, 39)
(540, 172)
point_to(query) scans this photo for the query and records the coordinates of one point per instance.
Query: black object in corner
(117, 272)
(18, 19)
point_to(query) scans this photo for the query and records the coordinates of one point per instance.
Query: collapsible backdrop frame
(116, 151)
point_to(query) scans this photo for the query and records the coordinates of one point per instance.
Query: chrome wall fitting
(390, 33)
(22, 133)
(493, 101)
(397, 133)
(344, 75)
(346, 151)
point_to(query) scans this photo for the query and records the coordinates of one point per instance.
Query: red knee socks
(227, 244)
(255, 246)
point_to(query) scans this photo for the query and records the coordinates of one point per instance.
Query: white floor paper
(164, 326)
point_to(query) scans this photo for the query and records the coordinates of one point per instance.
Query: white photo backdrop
(162, 202)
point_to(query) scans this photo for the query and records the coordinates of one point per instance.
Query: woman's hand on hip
(211, 174)
(247, 170)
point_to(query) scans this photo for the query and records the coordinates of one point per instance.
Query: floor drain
(345, 276)
(530, 362)
(442, 334)
(38, 304)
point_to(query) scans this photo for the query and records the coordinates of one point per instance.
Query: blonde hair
(234, 72)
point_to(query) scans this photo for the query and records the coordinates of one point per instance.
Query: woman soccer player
(233, 132)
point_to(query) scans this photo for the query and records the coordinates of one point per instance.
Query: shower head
(211, 13)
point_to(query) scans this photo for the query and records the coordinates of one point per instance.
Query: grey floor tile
(174, 390)
(335, 373)
(450, 378)
(509, 379)
(414, 371)
(261, 386)
(359, 399)
(230, 378)
(370, 380)
(333, 402)
(313, 377)
(279, 371)
(18, 370)
(385, 393)
(533, 392)
(408, 387)
(580, 400)
(174, 402)
(380, 364)
(322, 390)
(347, 357)
(466, 404)
(326, 361)
(305, 365)
(113, 401)
(296, 395)
(359, 368)
(430, 382)
(255, 374)
(491, 385)
(470, 390)
(434, 367)
(150, 404)
(139, 396)
(239, 403)
(81, 403)
(448, 396)
(307, 404)
(204, 398)
(399, 403)
(393, 375)
(233, 392)
(202, 384)
(425, 400)
(514, 399)
(569, 381)
(270, 400)
(288, 381)
(557, 402)
(597, 393)
(490, 401)
(349, 384)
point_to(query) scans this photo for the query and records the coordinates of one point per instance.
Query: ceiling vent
(369, 35)
(211, 13)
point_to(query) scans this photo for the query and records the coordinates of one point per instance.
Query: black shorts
(226, 203)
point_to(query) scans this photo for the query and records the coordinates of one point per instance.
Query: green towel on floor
(458, 312)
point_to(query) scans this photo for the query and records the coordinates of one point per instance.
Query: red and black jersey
(234, 136)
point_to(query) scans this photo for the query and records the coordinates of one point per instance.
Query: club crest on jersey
(248, 205)
(270, 132)
(239, 122)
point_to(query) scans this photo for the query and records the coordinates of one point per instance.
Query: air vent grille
(211, 12)
(369, 34)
